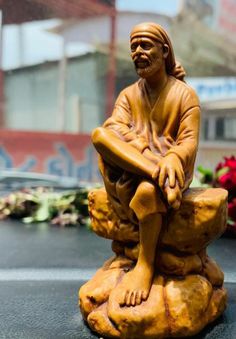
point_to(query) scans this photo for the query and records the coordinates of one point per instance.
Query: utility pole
(111, 74)
(62, 88)
(1, 74)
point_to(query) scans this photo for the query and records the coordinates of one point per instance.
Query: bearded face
(148, 56)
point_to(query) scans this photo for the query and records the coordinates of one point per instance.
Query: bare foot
(136, 285)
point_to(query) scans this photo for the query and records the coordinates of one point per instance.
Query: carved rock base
(187, 291)
(176, 307)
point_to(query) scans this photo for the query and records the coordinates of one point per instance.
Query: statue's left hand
(169, 169)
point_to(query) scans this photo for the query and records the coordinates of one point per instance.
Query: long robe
(170, 126)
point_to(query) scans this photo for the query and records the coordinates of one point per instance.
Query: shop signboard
(59, 154)
(214, 88)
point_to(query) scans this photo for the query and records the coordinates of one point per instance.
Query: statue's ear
(165, 51)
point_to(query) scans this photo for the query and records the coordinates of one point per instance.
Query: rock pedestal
(187, 291)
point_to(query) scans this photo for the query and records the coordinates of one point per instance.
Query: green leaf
(221, 172)
(43, 212)
(205, 171)
(230, 222)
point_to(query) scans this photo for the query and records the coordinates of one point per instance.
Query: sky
(40, 46)
(169, 7)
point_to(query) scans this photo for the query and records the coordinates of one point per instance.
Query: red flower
(229, 162)
(219, 166)
(228, 180)
(225, 177)
(226, 174)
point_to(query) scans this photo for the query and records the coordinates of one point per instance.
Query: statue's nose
(139, 49)
(137, 52)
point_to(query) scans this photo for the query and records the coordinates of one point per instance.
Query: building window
(226, 129)
(220, 127)
(205, 130)
(230, 128)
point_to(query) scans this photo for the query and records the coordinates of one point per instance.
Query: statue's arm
(120, 153)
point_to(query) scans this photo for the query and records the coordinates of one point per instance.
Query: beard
(147, 66)
(145, 71)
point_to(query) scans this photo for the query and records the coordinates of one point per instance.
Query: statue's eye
(133, 47)
(146, 45)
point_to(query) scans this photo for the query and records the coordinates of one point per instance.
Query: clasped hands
(169, 176)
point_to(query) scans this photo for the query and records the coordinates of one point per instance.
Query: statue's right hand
(169, 167)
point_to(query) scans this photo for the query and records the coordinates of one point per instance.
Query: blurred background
(63, 62)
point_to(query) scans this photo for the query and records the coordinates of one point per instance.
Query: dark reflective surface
(42, 268)
(45, 246)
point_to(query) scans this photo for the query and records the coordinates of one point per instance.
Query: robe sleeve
(121, 123)
(186, 143)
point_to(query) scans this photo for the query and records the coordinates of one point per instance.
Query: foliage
(41, 204)
(224, 176)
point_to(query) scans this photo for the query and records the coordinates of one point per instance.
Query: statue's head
(151, 50)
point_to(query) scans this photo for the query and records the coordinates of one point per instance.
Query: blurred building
(18, 12)
(32, 93)
(70, 92)
(216, 14)
(205, 41)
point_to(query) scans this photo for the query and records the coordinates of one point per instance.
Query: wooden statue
(147, 151)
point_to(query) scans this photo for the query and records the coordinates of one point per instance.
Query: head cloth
(157, 33)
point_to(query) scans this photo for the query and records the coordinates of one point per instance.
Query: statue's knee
(97, 135)
(144, 201)
(146, 190)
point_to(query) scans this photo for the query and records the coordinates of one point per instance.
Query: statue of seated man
(148, 147)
